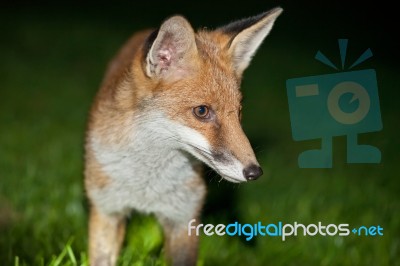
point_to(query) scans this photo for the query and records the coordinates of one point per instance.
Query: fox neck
(150, 164)
(151, 150)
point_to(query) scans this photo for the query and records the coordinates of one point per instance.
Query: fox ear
(172, 52)
(247, 36)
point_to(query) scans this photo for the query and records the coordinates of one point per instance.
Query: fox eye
(201, 112)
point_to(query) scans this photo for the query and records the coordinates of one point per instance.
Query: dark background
(372, 22)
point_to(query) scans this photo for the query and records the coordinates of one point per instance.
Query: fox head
(195, 79)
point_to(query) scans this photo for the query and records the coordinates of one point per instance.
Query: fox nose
(252, 172)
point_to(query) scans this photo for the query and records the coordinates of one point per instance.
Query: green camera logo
(339, 104)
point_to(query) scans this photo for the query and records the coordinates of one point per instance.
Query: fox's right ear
(172, 53)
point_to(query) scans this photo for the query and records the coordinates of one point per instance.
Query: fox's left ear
(247, 35)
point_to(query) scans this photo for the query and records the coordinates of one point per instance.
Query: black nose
(252, 172)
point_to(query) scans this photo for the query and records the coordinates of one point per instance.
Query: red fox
(170, 100)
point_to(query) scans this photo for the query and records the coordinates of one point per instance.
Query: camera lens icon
(358, 92)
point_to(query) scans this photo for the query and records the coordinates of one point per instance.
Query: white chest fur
(150, 174)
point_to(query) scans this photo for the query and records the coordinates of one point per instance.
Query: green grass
(50, 70)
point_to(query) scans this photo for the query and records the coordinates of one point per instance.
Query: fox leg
(180, 248)
(106, 234)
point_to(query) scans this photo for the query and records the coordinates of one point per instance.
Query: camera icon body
(338, 104)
